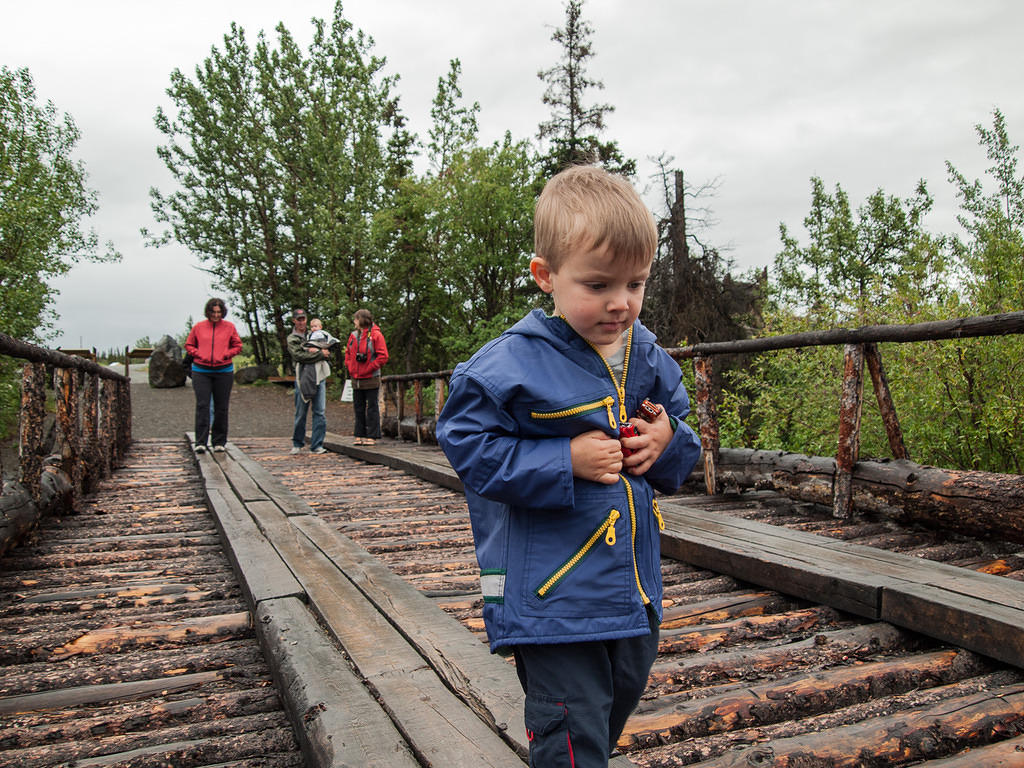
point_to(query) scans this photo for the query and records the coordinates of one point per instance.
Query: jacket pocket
(579, 410)
(605, 531)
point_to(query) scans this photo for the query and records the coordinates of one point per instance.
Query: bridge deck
(361, 580)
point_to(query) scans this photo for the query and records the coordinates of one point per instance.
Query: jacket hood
(560, 334)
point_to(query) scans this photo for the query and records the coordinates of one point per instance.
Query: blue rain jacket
(561, 559)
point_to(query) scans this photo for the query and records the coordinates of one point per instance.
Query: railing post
(440, 387)
(707, 417)
(108, 424)
(850, 405)
(33, 411)
(417, 387)
(885, 403)
(90, 428)
(69, 429)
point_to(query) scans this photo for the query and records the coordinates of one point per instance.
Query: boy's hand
(647, 446)
(596, 456)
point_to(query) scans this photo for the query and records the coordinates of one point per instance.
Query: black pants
(218, 386)
(579, 695)
(367, 412)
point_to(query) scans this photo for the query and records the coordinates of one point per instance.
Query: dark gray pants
(579, 696)
(367, 412)
(218, 387)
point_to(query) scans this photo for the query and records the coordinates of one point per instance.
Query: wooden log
(974, 503)
(707, 637)
(64, 698)
(885, 403)
(824, 649)
(54, 726)
(675, 717)
(107, 639)
(108, 425)
(899, 739)
(69, 429)
(724, 608)
(90, 447)
(18, 514)
(848, 451)
(960, 328)
(708, 418)
(33, 409)
(1004, 754)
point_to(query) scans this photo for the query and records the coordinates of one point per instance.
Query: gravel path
(264, 410)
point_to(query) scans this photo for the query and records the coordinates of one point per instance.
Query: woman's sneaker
(218, 449)
(200, 449)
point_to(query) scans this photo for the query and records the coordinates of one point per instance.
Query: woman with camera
(365, 354)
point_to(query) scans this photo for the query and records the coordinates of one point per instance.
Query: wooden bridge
(252, 609)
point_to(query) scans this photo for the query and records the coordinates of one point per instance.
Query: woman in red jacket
(365, 354)
(212, 343)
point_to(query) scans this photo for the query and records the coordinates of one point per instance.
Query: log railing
(860, 347)
(92, 431)
(419, 425)
(968, 501)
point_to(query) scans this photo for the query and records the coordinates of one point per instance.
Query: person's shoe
(321, 449)
(369, 441)
(295, 449)
(200, 449)
(218, 449)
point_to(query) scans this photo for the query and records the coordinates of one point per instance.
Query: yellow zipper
(579, 410)
(606, 529)
(632, 523)
(657, 514)
(620, 386)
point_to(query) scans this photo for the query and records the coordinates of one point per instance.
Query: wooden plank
(241, 482)
(261, 571)
(292, 503)
(389, 453)
(976, 610)
(440, 728)
(82, 695)
(337, 722)
(974, 623)
(486, 683)
(770, 562)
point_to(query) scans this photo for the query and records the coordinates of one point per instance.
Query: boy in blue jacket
(565, 525)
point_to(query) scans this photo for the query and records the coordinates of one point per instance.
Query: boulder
(165, 368)
(254, 373)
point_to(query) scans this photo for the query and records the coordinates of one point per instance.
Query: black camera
(360, 357)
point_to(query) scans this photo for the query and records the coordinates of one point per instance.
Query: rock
(165, 368)
(254, 373)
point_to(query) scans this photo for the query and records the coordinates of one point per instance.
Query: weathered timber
(33, 411)
(708, 421)
(893, 740)
(974, 503)
(724, 608)
(110, 638)
(678, 716)
(851, 400)
(336, 718)
(64, 698)
(707, 637)
(975, 610)
(1005, 754)
(886, 407)
(823, 649)
(961, 328)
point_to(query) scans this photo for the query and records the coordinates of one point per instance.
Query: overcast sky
(760, 95)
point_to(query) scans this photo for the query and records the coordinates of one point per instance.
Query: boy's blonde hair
(586, 206)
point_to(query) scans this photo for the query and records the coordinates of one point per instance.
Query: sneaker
(294, 450)
(218, 449)
(200, 449)
(321, 449)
